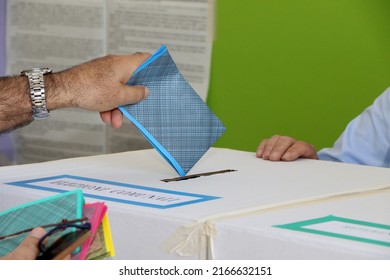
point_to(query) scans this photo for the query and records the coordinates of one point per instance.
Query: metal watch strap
(37, 91)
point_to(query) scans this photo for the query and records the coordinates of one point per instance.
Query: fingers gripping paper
(175, 120)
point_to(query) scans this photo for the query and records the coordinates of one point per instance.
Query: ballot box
(239, 207)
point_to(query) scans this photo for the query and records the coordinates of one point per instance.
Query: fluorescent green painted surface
(302, 68)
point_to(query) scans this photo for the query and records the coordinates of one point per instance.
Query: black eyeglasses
(64, 221)
(66, 243)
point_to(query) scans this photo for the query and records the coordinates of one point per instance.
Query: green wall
(302, 68)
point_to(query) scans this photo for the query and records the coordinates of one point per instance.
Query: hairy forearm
(63, 89)
(15, 103)
(15, 100)
(59, 91)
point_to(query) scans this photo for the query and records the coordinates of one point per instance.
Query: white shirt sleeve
(366, 140)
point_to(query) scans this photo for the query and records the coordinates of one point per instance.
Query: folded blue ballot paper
(175, 120)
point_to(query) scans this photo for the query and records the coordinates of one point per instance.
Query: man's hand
(285, 148)
(98, 85)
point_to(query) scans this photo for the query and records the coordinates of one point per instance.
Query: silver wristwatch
(37, 91)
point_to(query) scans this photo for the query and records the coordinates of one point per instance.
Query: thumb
(132, 94)
(28, 249)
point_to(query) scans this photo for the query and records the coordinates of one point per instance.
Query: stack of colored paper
(53, 211)
(99, 245)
